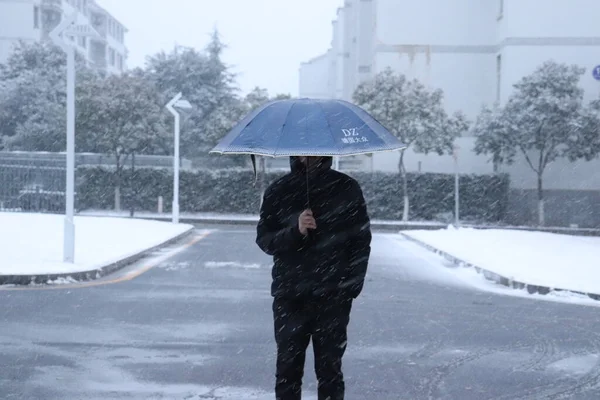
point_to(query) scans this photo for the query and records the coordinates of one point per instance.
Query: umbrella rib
(283, 128)
(329, 126)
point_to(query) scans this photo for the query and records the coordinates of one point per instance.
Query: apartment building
(33, 20)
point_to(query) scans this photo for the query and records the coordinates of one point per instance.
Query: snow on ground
(33, 243)
(231, 264)
(167, 216)
(419, 263)
(537, 258)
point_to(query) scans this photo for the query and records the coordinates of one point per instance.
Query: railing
(35, 181)
(32, 188)
(57, 4)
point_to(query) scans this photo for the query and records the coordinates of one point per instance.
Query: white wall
(435, 22)
(468, 80)
(551, 19)
(469, 162)
(446, 45)
(366, 41)
(314, 78)
(338, 49)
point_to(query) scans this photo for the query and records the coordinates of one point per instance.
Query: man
(321, 251)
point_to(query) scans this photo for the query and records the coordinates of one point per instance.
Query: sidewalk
(33, 245)
(537, 261)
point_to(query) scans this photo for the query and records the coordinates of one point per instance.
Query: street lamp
(456, 186)
(69, 28)
(176, 102)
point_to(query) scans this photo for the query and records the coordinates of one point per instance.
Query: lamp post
(456, 187)
(69, 27)
(176, 102)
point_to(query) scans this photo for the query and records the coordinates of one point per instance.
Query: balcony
(98, 22)
(97, 55)
(52, 5)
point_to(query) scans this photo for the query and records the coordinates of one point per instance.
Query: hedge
(484, 198)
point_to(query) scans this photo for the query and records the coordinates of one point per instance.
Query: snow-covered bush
(484, 198)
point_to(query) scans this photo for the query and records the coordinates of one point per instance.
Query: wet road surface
(194, 322)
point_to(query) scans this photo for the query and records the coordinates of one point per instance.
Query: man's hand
(306, 221)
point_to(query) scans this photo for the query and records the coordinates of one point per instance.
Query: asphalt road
(197, 325)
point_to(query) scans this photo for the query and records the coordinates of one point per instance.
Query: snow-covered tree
(205, 81)
(538, 122)
(33, 97)
(412, 113)
(584, 143)
(43, 57)
(256, 98)
(121, 115)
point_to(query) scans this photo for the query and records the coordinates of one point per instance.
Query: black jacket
(331, 260)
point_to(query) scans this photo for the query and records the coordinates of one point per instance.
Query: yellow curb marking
(127, 277)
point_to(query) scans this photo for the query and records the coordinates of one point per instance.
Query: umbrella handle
(307, 186)
(253, 158)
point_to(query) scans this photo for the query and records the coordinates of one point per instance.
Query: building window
(500, 9)
(36, 17)
(82, 41)
(111, 57)
(498, 76)
(364, 69)
(120, 62)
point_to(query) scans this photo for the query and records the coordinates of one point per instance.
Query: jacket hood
(323, 163)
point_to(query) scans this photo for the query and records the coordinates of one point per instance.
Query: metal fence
(36, 181)
(32, 188)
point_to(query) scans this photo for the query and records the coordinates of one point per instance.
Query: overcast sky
(267, 39)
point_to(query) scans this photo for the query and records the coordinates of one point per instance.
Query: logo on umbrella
(350, 136)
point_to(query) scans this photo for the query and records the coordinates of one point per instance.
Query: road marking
(153, 262)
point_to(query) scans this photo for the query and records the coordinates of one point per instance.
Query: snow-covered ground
(33, 243)
(536, 258)
(421, 264)
(167, 216)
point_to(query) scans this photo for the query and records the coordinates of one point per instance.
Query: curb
(497, 278)
(382, 226)
(387, 226)
(83, 276)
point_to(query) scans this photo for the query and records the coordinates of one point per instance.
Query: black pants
(296, 322)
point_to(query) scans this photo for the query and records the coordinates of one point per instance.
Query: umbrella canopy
(308, 127)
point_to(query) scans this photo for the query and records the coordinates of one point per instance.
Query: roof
(317, 58)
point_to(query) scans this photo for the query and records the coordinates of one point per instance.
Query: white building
(474, 50)
(33, 20)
